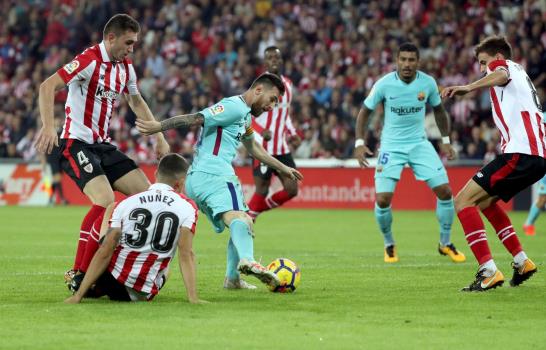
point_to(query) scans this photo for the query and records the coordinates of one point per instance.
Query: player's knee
(104, 199)
(383, 201)
(292, 190)
(443, 192)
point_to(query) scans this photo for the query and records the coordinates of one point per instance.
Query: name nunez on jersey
(406, 110)
(158, 197)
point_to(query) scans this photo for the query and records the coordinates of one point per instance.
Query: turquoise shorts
(542, 186)
(215, 195)
(421, 158)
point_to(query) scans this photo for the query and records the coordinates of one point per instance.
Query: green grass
(348, 299)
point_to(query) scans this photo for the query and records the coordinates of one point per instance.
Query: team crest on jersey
(217, 109)
(71, 67)
(421, 96)
(88, 168)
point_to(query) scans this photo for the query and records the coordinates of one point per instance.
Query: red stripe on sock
(474, 230)
(503, 226)
(85, 228)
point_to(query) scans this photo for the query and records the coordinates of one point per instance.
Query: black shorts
(107, 285)
(83, 162)
(509, 174)
(54, 160)
(263, 171)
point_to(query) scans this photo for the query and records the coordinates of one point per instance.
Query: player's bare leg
(445, 213)
(383, 216)
(240, 227)
(133, 182)
(534, 212)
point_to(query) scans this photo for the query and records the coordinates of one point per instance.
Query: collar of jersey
(103, 52)
(160, 186)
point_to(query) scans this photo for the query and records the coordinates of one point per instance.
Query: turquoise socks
(445, 212)
(383, 216)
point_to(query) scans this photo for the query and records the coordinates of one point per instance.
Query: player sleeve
(190, 216)
(434, 98)
(498, 65)
(79, 68)
(376, 96)
(221, 114)
(131, 87)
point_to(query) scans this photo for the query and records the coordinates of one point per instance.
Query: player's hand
(448, 150)
(452, 91)
(266, 134)
(361, 152)
(46, 140)
(295, 140)
(74, 299)
(161, 148)
(291, 173)
(148, 127)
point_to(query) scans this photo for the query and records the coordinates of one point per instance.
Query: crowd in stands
(190, 54)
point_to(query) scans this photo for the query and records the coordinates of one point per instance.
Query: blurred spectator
(191, 54)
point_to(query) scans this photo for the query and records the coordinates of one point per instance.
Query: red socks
(92, 241)
(474, 230)
(259, 203)
(500, 221)
(85, 230)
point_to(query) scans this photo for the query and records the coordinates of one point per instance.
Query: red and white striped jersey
(278, 122)
(150, 223)
(94, 83)
(517, 111)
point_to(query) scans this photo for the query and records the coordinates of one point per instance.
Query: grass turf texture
(348, 298)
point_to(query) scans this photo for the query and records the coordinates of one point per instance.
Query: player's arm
(442, 121)
(142, 112)
(186, 262)
(47, 136)
(180, 121)
(257, 151)
(98, 264)
(496, 78)
(361, 132)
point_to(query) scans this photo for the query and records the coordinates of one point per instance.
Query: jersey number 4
(162, 240)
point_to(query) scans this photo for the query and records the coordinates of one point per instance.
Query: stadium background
(192, 53)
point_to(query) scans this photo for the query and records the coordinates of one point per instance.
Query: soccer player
(95, 79)
(141, 240)
(271, 131)
(517, 114)
(404, 94)
(534, 211)
(212, 182)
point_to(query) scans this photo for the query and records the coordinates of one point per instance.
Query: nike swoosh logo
(393, 98)
(488, 281)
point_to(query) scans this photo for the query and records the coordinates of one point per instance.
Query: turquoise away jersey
(404, 106)
(226, 123)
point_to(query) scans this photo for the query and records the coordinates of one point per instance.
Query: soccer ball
(289, 274)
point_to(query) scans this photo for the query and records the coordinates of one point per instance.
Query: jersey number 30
(143, 218)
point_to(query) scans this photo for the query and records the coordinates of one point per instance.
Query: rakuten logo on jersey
(406, 110)
(106, 93)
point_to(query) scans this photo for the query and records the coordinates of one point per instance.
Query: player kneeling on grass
(141, 240)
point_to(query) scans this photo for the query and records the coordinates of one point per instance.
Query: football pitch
(348, 298)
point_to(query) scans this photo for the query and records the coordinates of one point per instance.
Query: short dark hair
(408, 47)
(494, 44)
(270, 80)
(172, 166)
(272, 48)
(121, 23)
